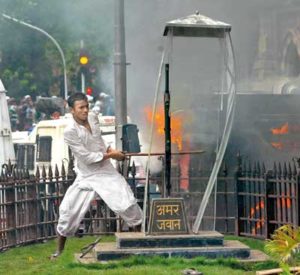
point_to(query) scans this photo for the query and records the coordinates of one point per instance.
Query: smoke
(196, 62)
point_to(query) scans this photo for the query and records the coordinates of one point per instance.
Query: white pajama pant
(112, 188)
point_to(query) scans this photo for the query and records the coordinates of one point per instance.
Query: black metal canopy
(197, 25)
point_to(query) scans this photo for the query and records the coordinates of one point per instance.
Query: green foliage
(31, 64)
(284, 246)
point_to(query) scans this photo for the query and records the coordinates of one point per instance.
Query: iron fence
(29, 204)
(266, 199)
(253, 203)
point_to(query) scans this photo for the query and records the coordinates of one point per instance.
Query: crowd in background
(25, 113)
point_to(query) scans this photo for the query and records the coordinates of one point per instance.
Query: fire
(277, 145)
(257, 209)
(159, 125)
(284, 129)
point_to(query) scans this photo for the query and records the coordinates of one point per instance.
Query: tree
(31, 64)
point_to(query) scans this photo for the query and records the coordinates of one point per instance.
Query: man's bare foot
(54, 256)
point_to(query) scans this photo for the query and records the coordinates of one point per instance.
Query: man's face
(80, 110)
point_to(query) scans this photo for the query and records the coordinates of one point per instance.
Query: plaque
(167, 216)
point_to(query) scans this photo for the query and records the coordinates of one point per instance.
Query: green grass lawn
(33, 259)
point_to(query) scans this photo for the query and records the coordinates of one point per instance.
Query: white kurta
(94, 176)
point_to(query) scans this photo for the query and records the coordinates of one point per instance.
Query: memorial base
(206, 244)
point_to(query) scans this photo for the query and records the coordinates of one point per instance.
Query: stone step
(140, 240)
(109, 251)
(256, 256)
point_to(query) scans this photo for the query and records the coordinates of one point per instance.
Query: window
(30, 157)
(20, 155)
(25, 156)
(44, 149)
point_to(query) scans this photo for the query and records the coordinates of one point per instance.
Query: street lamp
(52, 39)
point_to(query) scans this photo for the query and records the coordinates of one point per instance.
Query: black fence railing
(266, 199)
(29, 204)
(253, 203)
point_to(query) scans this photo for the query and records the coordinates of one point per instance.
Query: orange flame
(159, 125)
(277, 145)
(284, 129)
(260, 223)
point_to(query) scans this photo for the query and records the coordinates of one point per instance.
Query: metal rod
(120, 72)
(161, 153)
(167, 173)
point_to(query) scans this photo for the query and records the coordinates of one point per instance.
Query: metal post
(167, 134)
(82, 74)
(52, 39)
(82, 83)
(120, 72)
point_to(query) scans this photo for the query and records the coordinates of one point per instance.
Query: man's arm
(81, 152)
(114, 154)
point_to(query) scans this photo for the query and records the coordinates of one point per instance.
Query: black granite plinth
(109, 251)
(140, 240)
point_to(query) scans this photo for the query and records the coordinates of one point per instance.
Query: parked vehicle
(45, 146)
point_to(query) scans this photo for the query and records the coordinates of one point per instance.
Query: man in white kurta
(95, 174)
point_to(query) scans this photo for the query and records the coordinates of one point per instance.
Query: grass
(252, 243)
(33, 259)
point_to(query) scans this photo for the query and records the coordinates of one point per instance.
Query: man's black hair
(76, 97)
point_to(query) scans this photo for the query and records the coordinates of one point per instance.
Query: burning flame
(284, 129)
(277, 145)
(257, 209)
(159, 125)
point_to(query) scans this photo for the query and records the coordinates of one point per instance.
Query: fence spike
(27, 174)
(289, 174)
(254, 171)
(263, 169)
(21, 173)
(44, 172)
(244, 169)
(14, 174)
(294, 171)
(275, 169)
(17, 173)
(63, 170)
(10, 167)
(56, 172)
(133, 169)
(258, 169)
(249, 170)
(284, 171)
(37, 173)
(298, 162)
(279, 170)
(24, 173)
(50, 173)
